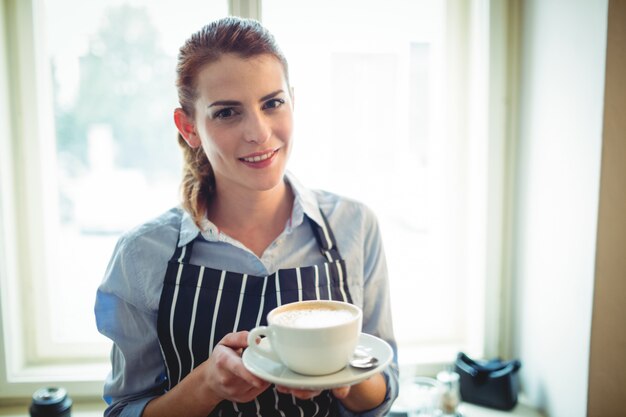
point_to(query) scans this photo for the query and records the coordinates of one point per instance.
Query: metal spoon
(363, 360)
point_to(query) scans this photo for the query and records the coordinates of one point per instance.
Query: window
(389, 110)
(368, 106)
(97, 129)
(392, 92)
(112, 77)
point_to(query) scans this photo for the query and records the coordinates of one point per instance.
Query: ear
(187, 128)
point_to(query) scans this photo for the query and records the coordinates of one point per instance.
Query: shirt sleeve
(138, 373)
(377, 318)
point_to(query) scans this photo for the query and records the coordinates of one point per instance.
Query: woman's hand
(302, 394)
(224, 373)
(363, 396)
(221, 377)
(339, 393)
(360, 397)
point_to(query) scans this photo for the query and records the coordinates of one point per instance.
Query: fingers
(244, 396)
(227, 375)
(241, 372)
(298, 393)
(235, 341)
(229, 361)
(237, 380)
(240, 384)
(341, 392)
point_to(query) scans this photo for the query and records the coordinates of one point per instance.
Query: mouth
(259, 156)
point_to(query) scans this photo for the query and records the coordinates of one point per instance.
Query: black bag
(492, 383)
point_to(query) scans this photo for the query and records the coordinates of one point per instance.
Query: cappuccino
(315, 337)
(312, 317)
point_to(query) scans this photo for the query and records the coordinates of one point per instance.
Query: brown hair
(243, 37)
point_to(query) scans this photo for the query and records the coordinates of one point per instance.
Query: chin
(269, 185)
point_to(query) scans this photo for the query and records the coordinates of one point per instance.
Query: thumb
(341, 392)
(235, 341)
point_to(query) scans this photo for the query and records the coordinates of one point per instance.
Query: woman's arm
(137, 370)
(363, 396)
(138, 375)
(220, 377)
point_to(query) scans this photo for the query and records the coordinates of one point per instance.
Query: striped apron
(201, 305)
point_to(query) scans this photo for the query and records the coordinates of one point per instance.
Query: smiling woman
(383, 117)
(255, 240)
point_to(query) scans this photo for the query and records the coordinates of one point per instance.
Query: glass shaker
(450, 393)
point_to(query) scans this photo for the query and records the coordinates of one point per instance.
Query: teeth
(259, 157)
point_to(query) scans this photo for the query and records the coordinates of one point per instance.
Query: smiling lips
(260, 160)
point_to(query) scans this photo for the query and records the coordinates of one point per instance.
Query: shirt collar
(305, 202)
(188, 229)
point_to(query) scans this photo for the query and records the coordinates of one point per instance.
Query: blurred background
(473, 128)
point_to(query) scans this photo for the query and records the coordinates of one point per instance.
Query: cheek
(284, 130)
(216, 139)
(216, 151)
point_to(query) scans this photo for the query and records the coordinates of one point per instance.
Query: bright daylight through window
(370, 100)
(370, 106)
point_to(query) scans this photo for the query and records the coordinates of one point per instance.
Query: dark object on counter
(51, 402)
(492, 383)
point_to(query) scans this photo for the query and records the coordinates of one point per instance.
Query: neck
(254, 218)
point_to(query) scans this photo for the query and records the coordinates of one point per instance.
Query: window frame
(489, 24)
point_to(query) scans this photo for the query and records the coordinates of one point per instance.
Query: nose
(257, 128)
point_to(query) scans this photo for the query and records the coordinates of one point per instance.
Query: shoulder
(348, 218)
(338, 208)
(335, 206)
(137, 266)
(354, 223)
(158, 232)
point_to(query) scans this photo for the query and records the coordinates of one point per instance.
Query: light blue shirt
(127, 300)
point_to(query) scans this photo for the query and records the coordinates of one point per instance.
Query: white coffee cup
(316, 337)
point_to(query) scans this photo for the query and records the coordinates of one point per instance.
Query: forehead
(233, 77)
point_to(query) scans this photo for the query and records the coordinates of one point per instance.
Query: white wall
(560, 136)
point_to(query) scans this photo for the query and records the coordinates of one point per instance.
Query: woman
(182, 291)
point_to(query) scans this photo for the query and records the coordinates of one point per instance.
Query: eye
(225, 113)
(273, 103)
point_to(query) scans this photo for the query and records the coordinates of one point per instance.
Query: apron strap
(182, 254)
(325, 239)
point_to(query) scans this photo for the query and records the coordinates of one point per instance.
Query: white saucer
(279, 374)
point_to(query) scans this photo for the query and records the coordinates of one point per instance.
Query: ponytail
(198, 183)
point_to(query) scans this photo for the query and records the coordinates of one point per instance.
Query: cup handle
(262, 350)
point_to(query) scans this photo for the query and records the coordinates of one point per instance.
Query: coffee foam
(313, 317)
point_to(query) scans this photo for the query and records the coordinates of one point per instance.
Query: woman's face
(244, 119)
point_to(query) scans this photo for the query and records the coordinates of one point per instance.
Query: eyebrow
(237, 103)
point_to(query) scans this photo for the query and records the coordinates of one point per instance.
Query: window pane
(118, 163)
(368, 80)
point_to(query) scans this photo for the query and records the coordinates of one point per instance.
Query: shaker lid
(49, 395)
